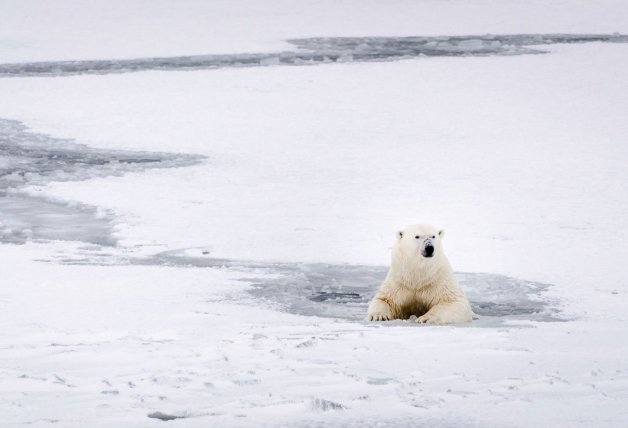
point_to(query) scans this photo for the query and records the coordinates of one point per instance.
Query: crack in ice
(320, 50)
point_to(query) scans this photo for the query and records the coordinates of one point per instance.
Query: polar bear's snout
(428, 251)
(428, 248)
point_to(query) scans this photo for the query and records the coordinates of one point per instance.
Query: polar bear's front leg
(379, 309)
(447, 313)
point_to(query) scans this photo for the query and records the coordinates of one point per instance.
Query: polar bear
(420, 282)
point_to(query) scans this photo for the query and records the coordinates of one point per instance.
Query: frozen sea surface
(317, 50)
(531, 168)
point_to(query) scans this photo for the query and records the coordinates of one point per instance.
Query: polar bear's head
(420, 240)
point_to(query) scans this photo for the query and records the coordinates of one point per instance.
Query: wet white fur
(421, 286)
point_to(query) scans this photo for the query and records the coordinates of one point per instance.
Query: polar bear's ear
(400, 234)
(441, 233)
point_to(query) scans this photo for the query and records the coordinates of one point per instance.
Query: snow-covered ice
(36, 30)
(197, 248)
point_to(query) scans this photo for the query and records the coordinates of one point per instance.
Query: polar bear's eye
(433, 237)
(417, 237)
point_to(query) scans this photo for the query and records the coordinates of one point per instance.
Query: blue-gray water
(321, 50)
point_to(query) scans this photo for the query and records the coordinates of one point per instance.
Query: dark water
(320, 50)
(165, 416)
(28, 158)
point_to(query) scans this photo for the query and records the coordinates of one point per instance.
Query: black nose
(429, 251)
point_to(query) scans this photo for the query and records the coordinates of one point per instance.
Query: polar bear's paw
(378, 316)
(379, 310)
(429, 319)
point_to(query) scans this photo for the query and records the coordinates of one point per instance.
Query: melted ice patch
(24, 217)
(28, 158)
(344, 291)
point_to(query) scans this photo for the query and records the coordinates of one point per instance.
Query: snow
(118, 343)
(229, 297)
(35, 30)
